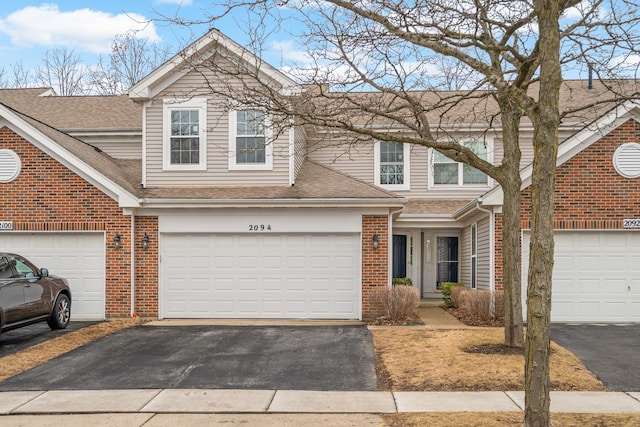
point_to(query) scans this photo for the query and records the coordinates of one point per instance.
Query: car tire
(61, 313)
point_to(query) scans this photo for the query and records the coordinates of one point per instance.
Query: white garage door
(78, 257)
(261, 276)
(596, 276)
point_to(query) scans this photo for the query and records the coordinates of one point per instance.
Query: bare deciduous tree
(380, 55)
(131, 58)
(62, 70)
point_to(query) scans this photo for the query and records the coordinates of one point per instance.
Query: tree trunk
(545, 145)
(511, 251)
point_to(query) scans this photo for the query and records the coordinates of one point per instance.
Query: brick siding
(590, 194)
(375, 262)
(47, 196)
(146, 268)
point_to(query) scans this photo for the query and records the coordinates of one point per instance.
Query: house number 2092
(259, 227)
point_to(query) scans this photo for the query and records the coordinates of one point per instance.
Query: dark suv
(29, 295)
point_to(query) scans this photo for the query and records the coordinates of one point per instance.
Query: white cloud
(289, 54)
(85, 30)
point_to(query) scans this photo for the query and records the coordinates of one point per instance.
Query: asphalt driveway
(224, 357)
(22, 338)
(611, 352)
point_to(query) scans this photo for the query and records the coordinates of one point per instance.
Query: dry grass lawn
(21, 361)
(434, 360)
(508, 419)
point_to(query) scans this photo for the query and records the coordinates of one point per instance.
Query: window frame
(268, 142)
(474, 256)
(191, 104)
(460, 166)
(406, 162)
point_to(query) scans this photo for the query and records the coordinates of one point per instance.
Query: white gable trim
(171, 71)
(575, 144)
(14, 122)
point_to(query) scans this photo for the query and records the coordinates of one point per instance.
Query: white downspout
(133, 266)
(390, 247)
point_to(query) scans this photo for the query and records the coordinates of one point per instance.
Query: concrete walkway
(273, 407)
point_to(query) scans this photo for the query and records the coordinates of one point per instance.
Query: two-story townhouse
(174, 202)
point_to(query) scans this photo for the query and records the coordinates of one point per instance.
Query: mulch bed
(494, 349)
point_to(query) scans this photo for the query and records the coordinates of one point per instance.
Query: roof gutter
(268, 203)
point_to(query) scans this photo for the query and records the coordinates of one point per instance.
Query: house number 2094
(259, 227)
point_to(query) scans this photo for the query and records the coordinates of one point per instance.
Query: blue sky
(29, 27)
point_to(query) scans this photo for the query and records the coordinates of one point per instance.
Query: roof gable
(575, 144)
(178, 66)
(88, 162)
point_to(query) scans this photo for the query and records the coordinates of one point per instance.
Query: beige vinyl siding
(217, 172)
(119, 145)
(356, 160)
(484, 253)
(483, 277)
(465, 256)
(118, 148)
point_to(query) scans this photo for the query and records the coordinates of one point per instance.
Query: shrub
(477, 304)
(403, 281)
(446, 288)
(396, 304)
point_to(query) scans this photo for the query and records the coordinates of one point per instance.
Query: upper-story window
(184, 140)
(449, 172)
(392, 165)
(249, 145)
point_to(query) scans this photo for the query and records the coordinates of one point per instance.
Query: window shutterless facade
(248, 140)
(451, 173)
(391, 165)
(184, 136)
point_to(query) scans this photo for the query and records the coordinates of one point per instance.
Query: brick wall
(47, 196)
(590, 194)
(146, 268)
(375, 262)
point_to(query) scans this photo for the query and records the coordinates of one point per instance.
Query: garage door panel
(78, 257)
(596, 276)
(267, 275)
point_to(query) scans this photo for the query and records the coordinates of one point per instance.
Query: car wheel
(61, 313)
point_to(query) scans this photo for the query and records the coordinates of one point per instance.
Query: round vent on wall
(10, 165)
(626, 160)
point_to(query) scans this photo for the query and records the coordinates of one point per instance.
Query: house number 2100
(259, 227)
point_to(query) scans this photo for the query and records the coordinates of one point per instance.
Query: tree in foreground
(505, 58)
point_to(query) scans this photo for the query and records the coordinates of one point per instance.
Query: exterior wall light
(116, 241)
(375, 241)
(145, 242)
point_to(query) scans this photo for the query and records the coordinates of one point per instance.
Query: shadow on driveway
(611, 352)
(217, 357)
(20, 339)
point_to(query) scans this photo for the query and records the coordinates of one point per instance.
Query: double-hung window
(249, 145)
(449, 172)
(184, 145)
(392, 165)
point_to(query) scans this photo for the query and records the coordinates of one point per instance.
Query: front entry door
(399, 255)
(447, 261)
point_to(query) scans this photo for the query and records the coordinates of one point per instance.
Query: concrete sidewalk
(297, 401)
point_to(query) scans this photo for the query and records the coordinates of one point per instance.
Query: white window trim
(171, 104)
(474, 256)
(460, 185)
(406, 155)
(268, 144)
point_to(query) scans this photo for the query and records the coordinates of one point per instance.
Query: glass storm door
(399, 255)
(447, 260)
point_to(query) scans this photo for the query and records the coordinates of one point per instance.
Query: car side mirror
(44, 272)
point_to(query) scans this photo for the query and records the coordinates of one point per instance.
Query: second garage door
(596, 276)
(314, 276)
(78, 257)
